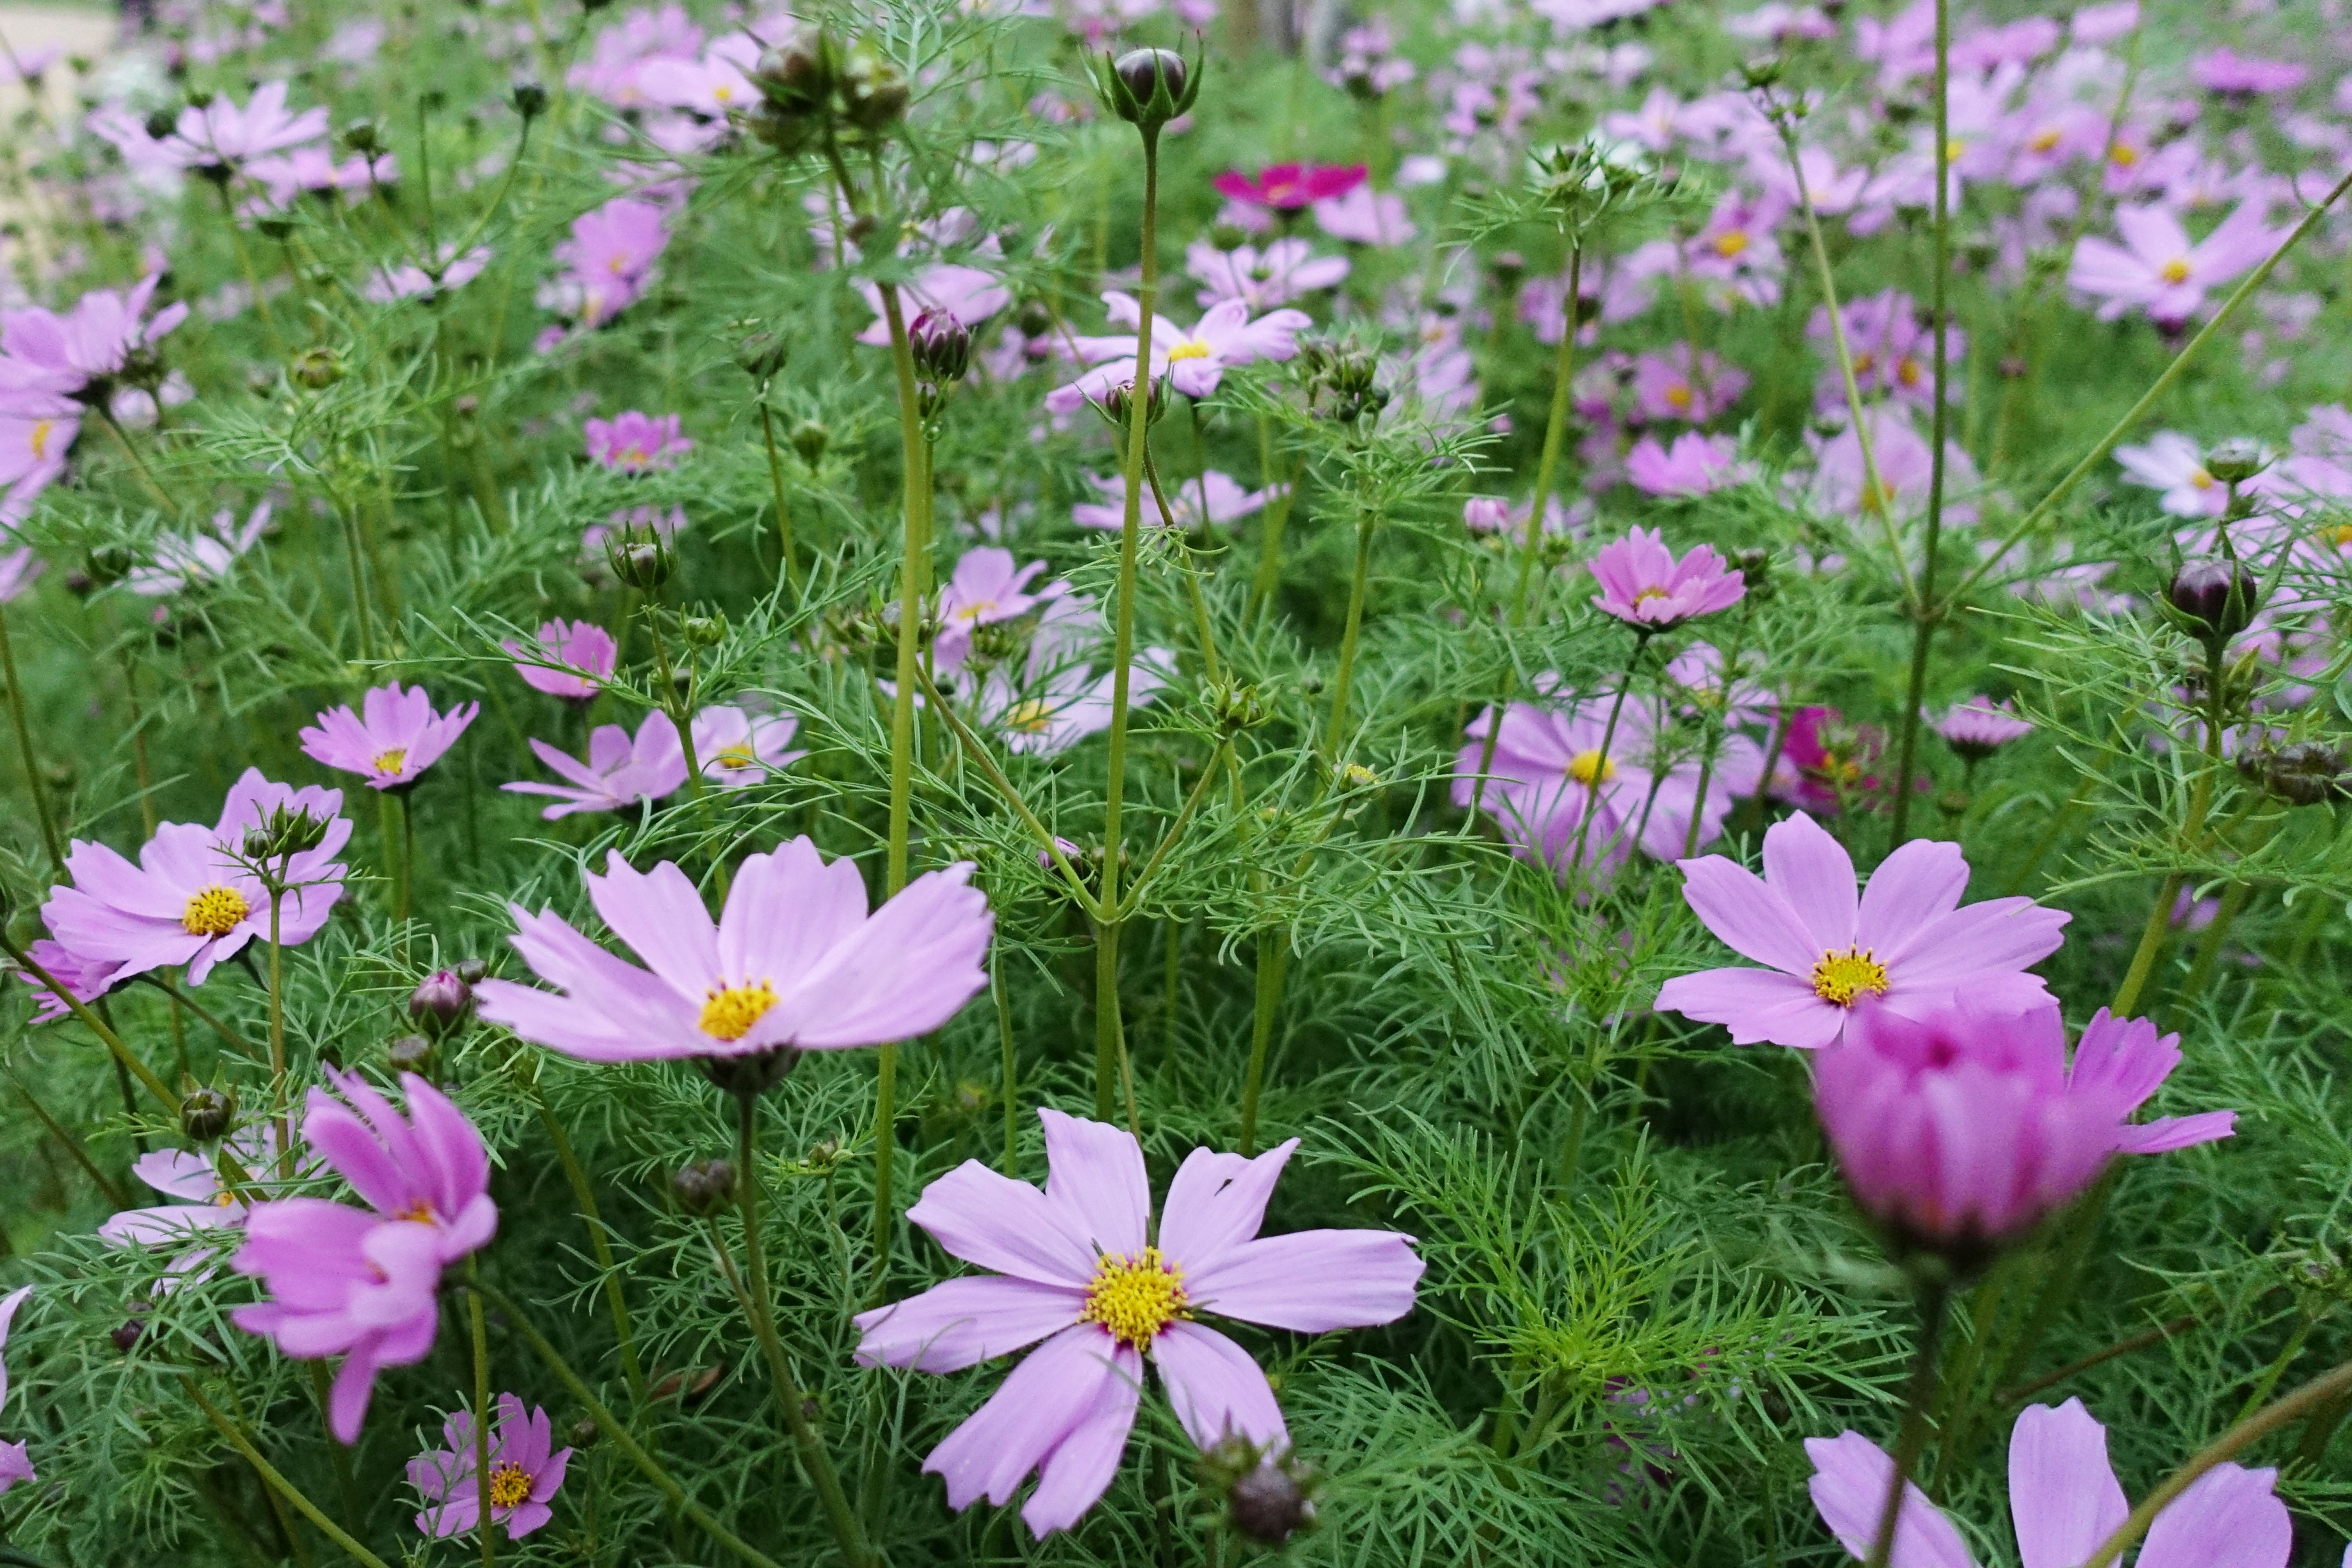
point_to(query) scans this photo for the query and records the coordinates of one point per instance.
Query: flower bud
(2307, 773)
(1268, 1504)
(752, 1073)
(126, 1334)
(584, 1432)
(641, 562)
(797, 75)
(943, 347)
(442, 1005)
(111, 564)
(810, 439)
(1144, 72)
(1755, 573)
(160, 124)
(1228, 236)
(2217, 598)
(704, 1186)
(2236, 460)
(529, 98)
(360, 136)
(874, 92)
(409, 1053)
(761, 354)
(469, 970)
(206, 1113)
(316, 368)
(1114, 403)
(703, 631)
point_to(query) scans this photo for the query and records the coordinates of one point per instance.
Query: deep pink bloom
(1285, 269)
(524, 1475)
(1980, 727)
(345, 1281)
(1286, 187)
(794, 960)
(189, 900)
(2063, 1501)
(1549, 774)
(1965, 1127)
(1644, 586)
(620, 771)
(736, 749)
(637, 443)
(581, 652)
(1194, 362)
(1079, 1266)
(986, 590)
(2158, 271)
(223, 135)
(397, 739)
(13, 1465)
(1697, 465)
(2226, 71)
(1906, 941)
(1825, 762)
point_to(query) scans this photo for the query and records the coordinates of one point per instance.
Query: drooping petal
(1216, 1389)
(2063, 1497)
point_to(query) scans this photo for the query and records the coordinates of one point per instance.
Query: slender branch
(1175, 830)
(995, 775)
(235, 1041)
(73, 1146)
(50, 839)
(276, 1482)
(1913, 1437)
(585, 1195)
(483, 1525)
(1563, 382)
(112, 1041)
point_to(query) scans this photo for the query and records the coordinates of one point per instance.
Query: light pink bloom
(712, 87)
(620, 771)
(1908, 941)
(1228, 503)
(77, 354)
(201, 556)
(1962, 1129)
(1079, 1266)
(1060, 700)
(966, 293)
(1644, 586)
(1365, 216)
(2174, 464)
(1666, 386)
(524, 1475)
(1892, 353)
(1283, 272)
(222, 135)
(2103, 24)
(409, 281)
(608, 260)
(36, 431)
(614, 68)
(637, 443)
(1493, 514)
(2158, 271)
(1194, 362)
(1980, 727)
(190, 900)
(1697, 465)
(397, 739)
(2063, 1501)
(2225, 70)
(986, 590)
(581, 653)
(794, 961)
(345, 1281)
(207, 1206)
(1905, 469)
(737, 748)
(313, 169)
(13, 1465)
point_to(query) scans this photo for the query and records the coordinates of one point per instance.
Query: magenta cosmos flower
(360, 1284)
(2063, 1501)
(1980, 727)
(571, 659)
(1288, 188)
(794, 960)
(622, 770)
(524, 1475)
(1906, 941)
(398, 737)
(190, 899)
(1644, 586)
(1695, 464)
(634, 443)
(1078, 1267)
(2158, 271)
(1962, 1129)
(15, 1466)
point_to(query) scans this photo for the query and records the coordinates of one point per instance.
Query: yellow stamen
(1730, 243)
(1679, 396)
(736, 756)
(1031, 717)
(418, 1213)
(1839, 977)
(1954, 150)
(2201, 480)
(215, 913)
(1190, 348)
(2043, 141)
(510, 1484)
(2339, 536)
(2174, 271)
(1134, 1296)
(1589, 767)
(729, 1013)
(390, 761)
(41, 428)
(635, 457)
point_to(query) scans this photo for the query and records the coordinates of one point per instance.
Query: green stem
(73, 1146)
(619, 1434)
(1335, 736)
(2233, 902)
(1608, 739)
(1201, 627)
(1272, 968)
(182, 999)
(1277, 513)
(97, 1025)
(1919, 1397)
(1012, 1071)
(483, 1525)
(276, 1482)
(278, 1024)
(776, 481)
(50, 839)
(1555, 436)
(585, 1195)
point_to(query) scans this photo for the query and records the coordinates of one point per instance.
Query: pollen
(2043, 141)
(2174, 271)
(1134, 1295)
(1679, 395)
(215, 913)
(1589, 768)
(1190, 348)
(1839, 977)
(2122, 156)
(40, 439)
(735, 757)
(1730, 243)
(510, 1484)
(390, 761)
(1030, 717)
(729, 1013)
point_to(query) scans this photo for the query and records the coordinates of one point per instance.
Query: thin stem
(483, 1525)
(407, 869)
(1918, 1398)
(1608, 738)
(1555, 432)
(805, 1441)
(73, 1146)
(97, 1025)
(1202, 627)
(2233, 902)
(1175, 830)
(1336, 734)
(776, 481)
(50, 839)
(1012, 1071)
(612, 1429)
(586, 1197)
(277, 1026)
(2123, 1347)
(179, 998)
(995, 775)
(1277, 513)
(1273, 967)
(276, 1482)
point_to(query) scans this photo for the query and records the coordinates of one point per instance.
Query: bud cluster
(1342, 382)
(811, 85)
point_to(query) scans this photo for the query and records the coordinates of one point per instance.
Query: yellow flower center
(973, 611)
(1134, 1296)
(2175, 271)
(419, 1212)
(2123, 157)
(1190, 348)
(1030, 717)
(2043, 141)
(215, 913)
(723, 94)
(1954, 150)
(1907, 371)
(510, 1484)
(1839, 977)
(2200, 479)
(729, 1013)
(1679, 396)
(736, 756)
(633, 457)
(390, 761)
(41, 428)
(2339, 536)
(1730, 243)
(1650, 593)
(1589, 768)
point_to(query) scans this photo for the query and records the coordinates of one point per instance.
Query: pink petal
(1759, 1006)
(1095, 1176)
(1921, 882)
(1749, 915)
(963, 1323)
(1812, 871)
(1310, 1280)
(1076, 1474)
(1217, 1202)
(1997, 934)
(1040, 1403)
(2062, 1495)
(660, 915)
(2228, 1518)
(1217, 1390)
(1848, 1489)
(2166, 1133)
(1005, 1225)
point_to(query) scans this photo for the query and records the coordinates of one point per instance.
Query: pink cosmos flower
(207, 1206)
(794, 961)
(19, 570)
(1493, 514)
(1061, 703)
(1697, 465)
(615, 66)
(200, 556)
(1194, 362)
(620, 771)
(1288, 188)
(1892, 348)
(2174, 464)
(608, 260)
(637, 443)
(572, 661)
(1980, 727)
(13, 1465)
(400, 737)
(1825, 762)
(1644, 586)
(1285, 270)
(2063, 1501)
(223, 136)
(78, 354)
(968, 294)
(345, 1281)
(524, 1475)
(1963, 1128)
(1227, 502)
(2158, 271)
(407, 281)
(1079, 1266)
(1906, 942)
(1365, 216)
(986, 590)
(2225, 70)
(313, 171)
(190, 900)
(1549, 774)
(738, 748)
(1905, 462)
(36, 430)
(1667, 387)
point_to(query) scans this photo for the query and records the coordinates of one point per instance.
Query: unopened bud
(704, 1186)
(874, 94)
(111, 564)
(703, 631)
(205, 1114)
(797, 74)
(810, 439)
(943, 347)
(126, 1334)
(469, 970)
(761, 354)
(1268, 1504)
(1755, 573)
(1116, 403)
(317, 368)
(2307, 773)
(361, 137)
(584, 1432)
(442, 1005)
(2236, 460)
(1155, 81)
(2217, 598)
(409, 1053)
(276, 227)
(529, 98)
(641, 562)
(160, 124)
